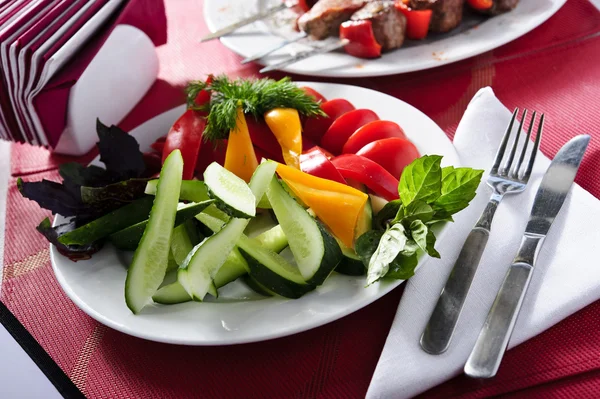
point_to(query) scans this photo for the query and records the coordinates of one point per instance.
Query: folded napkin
(566, 277)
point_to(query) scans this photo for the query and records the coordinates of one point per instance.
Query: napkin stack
(66, 62)
(566, 277)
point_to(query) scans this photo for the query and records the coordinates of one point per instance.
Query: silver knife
(492, 342)
(256, 17)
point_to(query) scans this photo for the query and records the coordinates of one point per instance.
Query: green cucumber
(181, 243)
(129, 238)
(273, 239)
(197, 273)
(232, 194)
(351, 264)
(171, 294)
(315, 250)
(256, 286)
(110, 223)
(202, 264)
(235, 266)
(365, 219)
(272, 271)
(191, 190)
(149, 264)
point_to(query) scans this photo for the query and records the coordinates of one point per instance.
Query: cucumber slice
(232, 193)
(315, 250)
(171, 294)
(129, 238)
(351, 264)
(365, 220)
(256, 286)
(150, 259)
(181, 244)
(235, 266)
(191, 190)
(110, 223)
(272, 271)
(202, 264)
(273, 239)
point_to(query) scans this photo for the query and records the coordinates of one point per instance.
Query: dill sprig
(254, 96)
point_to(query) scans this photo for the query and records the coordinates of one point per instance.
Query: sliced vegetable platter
(239, 314)
(474, 36)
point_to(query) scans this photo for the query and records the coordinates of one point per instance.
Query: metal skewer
(305, 54)
(268, 51)
(256, 17)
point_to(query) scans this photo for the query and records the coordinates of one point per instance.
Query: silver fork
(504, 178)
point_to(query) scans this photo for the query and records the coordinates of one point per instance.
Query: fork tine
(534, 151)
(511, 155)
(502, 147)
(517, 167)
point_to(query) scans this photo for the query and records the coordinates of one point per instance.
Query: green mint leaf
(437, 219)
(458, 189)
(418, 231)
(366, 245)
(430, 245)
(417, 210)
(421, 180)
(410, 248)
(391, 243)
(403, 267)
(386, 214)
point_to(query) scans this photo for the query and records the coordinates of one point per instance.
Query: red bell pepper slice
(315, 162)
(315, 128)
(340, 131)
(209, 153)
(186, 135)
(369, 173)
(370, 132)
(417, 21)
(481, 5)
(314, 94)
(394, 154)
(362, 39)
(263, 138)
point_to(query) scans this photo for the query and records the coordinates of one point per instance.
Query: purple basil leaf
(73, 252)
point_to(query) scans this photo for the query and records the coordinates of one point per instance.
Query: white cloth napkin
(4, 177)
(566, 277)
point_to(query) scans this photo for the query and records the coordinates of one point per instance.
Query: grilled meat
(388, 23)
(326, 16)
(446, 15)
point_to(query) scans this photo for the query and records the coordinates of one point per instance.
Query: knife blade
(493, 339)
(246, 21)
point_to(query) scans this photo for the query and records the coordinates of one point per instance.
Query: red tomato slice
(370, 132)
(344, 126)
(315, 128)
(315, 94)
(393, 154)
(307, 144)
(369, 173)
(316, 163)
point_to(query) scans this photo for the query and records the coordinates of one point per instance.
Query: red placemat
(553, 69)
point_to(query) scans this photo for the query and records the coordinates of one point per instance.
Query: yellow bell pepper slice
(338, 206)
(240, 158)
(286, 127)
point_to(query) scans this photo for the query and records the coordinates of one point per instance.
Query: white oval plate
(476, 35)
(97, 285)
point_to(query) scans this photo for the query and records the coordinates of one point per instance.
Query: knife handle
(440, 327)
(492, 342)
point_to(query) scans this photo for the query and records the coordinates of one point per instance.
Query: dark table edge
(35, 351)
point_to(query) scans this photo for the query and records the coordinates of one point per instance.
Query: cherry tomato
(315, 94)
(369, 173)
(344, 126)
(370, 132)
(315, 128)
(481, 5)
(316, 163)
(393, 154)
